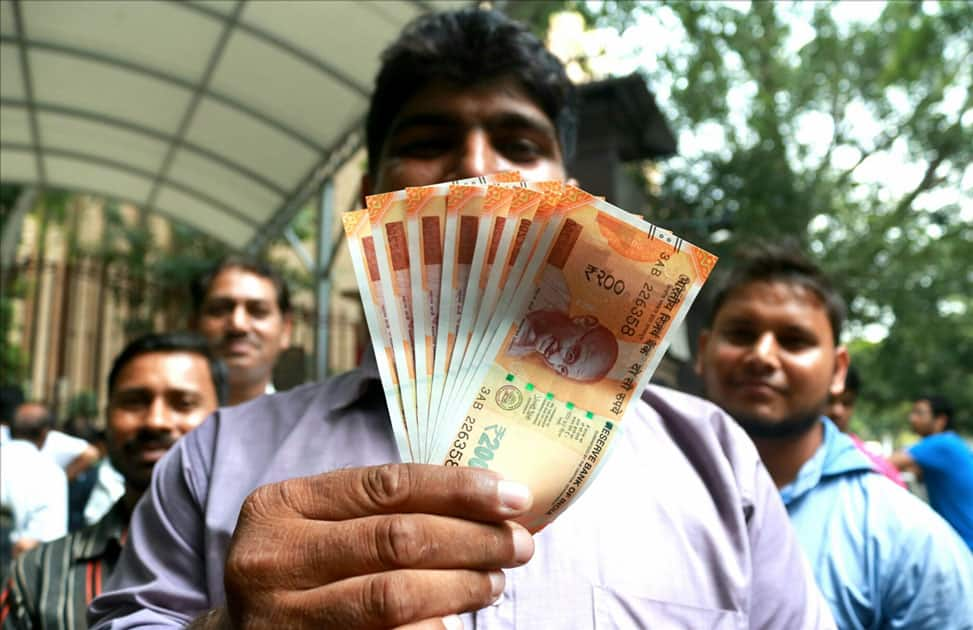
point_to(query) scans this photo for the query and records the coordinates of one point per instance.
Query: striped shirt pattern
(49, 587)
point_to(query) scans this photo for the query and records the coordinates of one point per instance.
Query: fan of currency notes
(515, 322)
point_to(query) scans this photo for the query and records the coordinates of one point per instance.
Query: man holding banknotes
(302, 522)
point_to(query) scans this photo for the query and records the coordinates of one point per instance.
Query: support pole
(325, 221)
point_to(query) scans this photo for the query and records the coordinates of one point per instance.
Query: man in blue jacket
(771, 357)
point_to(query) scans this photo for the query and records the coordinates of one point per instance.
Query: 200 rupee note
(365, 264)
(492, 216)
(386, 213)
(586, 328)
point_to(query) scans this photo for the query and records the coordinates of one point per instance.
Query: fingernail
(523, 544)
(453, 622)
(497, 582)
(513, 495)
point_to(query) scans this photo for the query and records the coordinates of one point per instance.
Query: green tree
(852, 134)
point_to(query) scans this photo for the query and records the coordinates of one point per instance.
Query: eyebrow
(505, 120)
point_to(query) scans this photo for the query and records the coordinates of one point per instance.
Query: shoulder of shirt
(288, 408)
(707, 436)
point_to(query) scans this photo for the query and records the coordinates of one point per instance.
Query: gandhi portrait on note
(579, 348)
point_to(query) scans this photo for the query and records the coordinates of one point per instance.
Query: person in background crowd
(840, 409)
(160, 387)
(771, 357)
(33, 498)
(330, 539)
(35, 423)
(943, 461)
(243, 307)
(11, 397)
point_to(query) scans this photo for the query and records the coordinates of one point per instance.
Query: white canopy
(223, 114)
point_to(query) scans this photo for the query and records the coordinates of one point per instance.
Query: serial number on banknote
(455, 455)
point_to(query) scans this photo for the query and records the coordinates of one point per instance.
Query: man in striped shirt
(159, 388)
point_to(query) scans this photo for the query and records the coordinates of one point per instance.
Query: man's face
(241, 319)
(840, 408)
(922, 420)
(770, 358)
(444, 133)
(158, 397)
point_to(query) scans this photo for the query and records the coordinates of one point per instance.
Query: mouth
(238, 347)
(151, 454)
(756, 389)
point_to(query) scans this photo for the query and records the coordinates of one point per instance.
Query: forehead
(482, 102)
(782, 302)
(238, 283)
(165, 370)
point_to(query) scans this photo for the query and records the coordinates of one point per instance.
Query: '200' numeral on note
(486, 447)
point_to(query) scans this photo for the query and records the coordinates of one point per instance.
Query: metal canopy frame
(226, 115)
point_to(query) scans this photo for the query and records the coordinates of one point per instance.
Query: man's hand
(374, 547)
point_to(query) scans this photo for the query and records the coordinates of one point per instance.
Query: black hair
(172, 342)
(32, 430)
(11, 397)
(784, 262)
(201, 283)
(940, 406)
(466, 48)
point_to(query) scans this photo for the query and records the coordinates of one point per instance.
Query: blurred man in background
(160, 387)
(33, 498)
(840, 409)
(35, 423)
(243, 308)
(943, 461)
(771, 357)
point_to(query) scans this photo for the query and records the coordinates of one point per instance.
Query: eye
(793, 341)
(259, 310)
(739, 336)
(184, 403)
(423, 146)
(217, 308)
(520, 149)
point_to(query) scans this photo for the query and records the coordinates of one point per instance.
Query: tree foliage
(852, 135)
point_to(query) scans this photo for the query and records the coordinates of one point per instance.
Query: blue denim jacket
(882, 557)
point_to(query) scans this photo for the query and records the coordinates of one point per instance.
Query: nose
(160, 416)
(764, 350)
(239, 318)
(478, 156)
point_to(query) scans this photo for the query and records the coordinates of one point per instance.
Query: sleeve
(784, 593)
(64, 448)
(160, 578)
(46, 515)
(932, 453)
(931, 578)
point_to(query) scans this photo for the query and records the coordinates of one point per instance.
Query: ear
(286, 329)
(700, 351)
(841, 362)
(939, 422)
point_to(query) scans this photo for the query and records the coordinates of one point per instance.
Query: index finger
(464, 492)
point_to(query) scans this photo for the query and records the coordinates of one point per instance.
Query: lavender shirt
(682, 529)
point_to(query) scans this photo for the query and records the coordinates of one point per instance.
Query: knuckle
(399, 542)
(388, 486)
(387, 600)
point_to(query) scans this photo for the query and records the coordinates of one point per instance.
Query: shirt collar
(350, 387)
(837, 455)
(93, 541)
